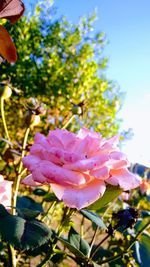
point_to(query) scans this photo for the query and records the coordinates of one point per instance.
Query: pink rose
(77, 166)
(5, 192)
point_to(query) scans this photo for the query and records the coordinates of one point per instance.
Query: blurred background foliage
(61, 67)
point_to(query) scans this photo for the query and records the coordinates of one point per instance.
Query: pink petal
(31, 162)
(88, 164)
(81, 197)
(65, 137)
(54, 154)
(118, 164)
(117, 155)
(110, 144)
(28, 180)
(83, 132)
(87, 147)
(125, 179)
(102, 173)
(51, 173)
(39, 138)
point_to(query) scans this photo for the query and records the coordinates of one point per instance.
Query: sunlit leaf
(110, 194)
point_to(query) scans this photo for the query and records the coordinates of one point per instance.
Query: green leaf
(95, 218)
(142, 250)
(141, 223)
(28, 208)
(21, 233)
(76, 241)
(110, 194)
(73, 249)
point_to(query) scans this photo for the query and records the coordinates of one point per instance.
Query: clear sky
(127, 26)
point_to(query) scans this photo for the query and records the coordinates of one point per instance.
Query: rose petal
(125, 179)
(83, 147)
(87, 164)
(80, 197)
(83, 132)
(28, 180)
(102, 173)
(31, 162)
(110, 144)
(117, 155)
(7, 47)
(66, 138)
(117, 164)
(51, 173)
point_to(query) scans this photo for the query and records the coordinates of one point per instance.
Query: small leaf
(95, 218)
(110, 194)
(79, 243)
(7, 47)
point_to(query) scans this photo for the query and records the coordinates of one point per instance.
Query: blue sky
(127, 26)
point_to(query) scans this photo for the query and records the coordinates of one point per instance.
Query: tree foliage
(62, 65)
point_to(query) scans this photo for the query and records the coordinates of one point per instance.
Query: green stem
(68, 122)
(99, 245)
(49, 210)
(93, 241)
(128, 247)
(3, 119)
(12, 256)
(18, 178)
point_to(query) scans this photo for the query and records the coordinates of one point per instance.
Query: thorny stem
(3, 119)
(128, 247)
